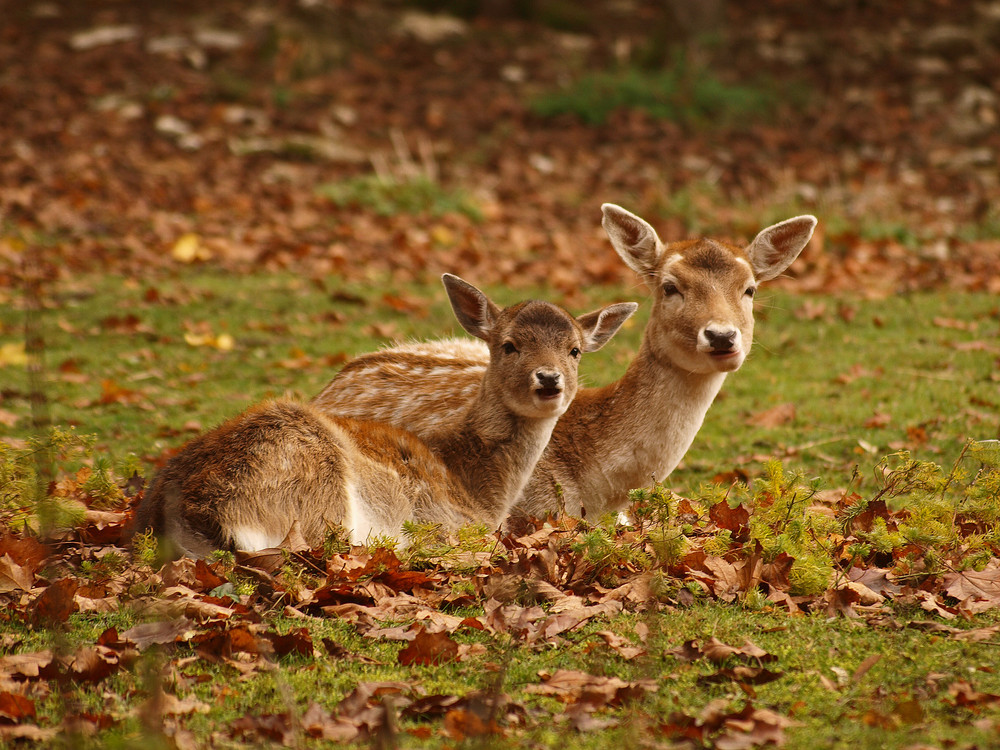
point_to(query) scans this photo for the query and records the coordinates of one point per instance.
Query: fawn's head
(535, 347)
(702, 317)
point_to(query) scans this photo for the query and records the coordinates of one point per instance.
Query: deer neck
(648, 420)
(493, 452)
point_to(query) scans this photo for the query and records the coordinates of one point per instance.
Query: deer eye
(574, 353)
(670, 289)
(509, 348)
(751, 291)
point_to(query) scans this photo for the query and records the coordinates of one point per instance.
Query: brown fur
(245, 483)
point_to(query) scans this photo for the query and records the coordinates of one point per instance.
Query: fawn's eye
(670, 289)
(574, 353)
(509, 348)
(751, 291)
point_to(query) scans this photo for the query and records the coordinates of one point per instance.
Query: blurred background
(356, 138)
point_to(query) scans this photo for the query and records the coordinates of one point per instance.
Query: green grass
(867, 377)
(685, 93)
(817, 658)
(863, 374)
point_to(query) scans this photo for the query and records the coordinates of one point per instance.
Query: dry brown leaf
(14, 577)
(776, 416)
(15, 708)
(572, 686)
(428, 648)
(56, 603)
(147, 634)
(620, 645)
(976, 585)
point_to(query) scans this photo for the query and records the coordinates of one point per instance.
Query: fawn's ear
(472, 308)
(598, 327)
(634, 240)
(774, 249)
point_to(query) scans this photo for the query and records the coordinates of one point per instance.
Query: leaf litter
(534, 590)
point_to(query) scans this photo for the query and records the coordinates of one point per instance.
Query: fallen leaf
(954, 324)
(573, 686)
(981, 585)
(148, 634)
(12, 354)
(620, 645)
(460, 724)
(15, 708)
(863, 668)
(14, 577)
(963, 694)
(776, 416)
(56, 603)
(321, 724)
(28, 732)
(189, 248)
(365, 692)
(878, 420)
(223, 341)
(26, 666)
(294, 642)
(428, 649)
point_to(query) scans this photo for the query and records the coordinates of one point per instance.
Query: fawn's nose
(721, 340)
(549, 380)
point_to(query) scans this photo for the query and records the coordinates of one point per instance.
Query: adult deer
(244, 484)
(625, 434)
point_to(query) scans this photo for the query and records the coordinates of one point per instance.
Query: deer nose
(548, 380)
(721, 340)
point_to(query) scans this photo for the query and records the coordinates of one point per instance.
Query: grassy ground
(144, 367)
(141, 365)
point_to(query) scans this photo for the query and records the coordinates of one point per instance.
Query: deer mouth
(548, 394)
(723, 353)
(726, 360)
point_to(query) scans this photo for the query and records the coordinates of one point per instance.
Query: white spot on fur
(252, 540)
(359, 525)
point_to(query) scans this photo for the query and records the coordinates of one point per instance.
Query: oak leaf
(14, 577)
(428, 648)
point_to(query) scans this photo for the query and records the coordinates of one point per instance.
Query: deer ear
(472, 308)
(598, 327)
(633, 239)
(774, 249)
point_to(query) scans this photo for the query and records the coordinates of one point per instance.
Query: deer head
(535, 347)
(703, 290)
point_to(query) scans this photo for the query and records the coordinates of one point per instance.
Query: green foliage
(109, 564)
(946, 520)
(987, 228)
(146, 548)
(656, 509)
(337, 541)
(464, 549)
(389, 196)
(29, 496)
(381, 541)
(684, 92)
(101, 485)
(601, 547)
